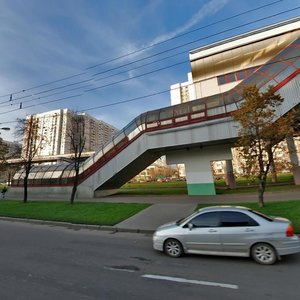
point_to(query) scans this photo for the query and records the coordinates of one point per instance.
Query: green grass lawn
(154, 188)
(80, 213)
(112, 213)
(254, 189)
(244, 181)
(285, 183)
(286, 209)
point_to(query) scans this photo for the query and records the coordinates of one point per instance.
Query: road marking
(129, 269)
(183, 280)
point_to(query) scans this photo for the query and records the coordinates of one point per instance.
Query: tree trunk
(74, 189)
(25, 189)
(273, 168)
(261, 190)
(27, 171)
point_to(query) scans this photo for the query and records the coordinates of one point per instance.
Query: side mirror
(190, 226)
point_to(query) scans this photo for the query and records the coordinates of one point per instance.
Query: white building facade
(219, 67)
(53, 128)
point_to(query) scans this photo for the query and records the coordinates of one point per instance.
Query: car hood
(166, 226)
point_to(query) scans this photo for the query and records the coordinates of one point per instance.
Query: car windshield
(183, 220)
(268, 218)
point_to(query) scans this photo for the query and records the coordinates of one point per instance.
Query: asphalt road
(40, 262)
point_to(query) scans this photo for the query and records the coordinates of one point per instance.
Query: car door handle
(249, 230)
(212, 230)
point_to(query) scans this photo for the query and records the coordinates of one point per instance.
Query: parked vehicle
(230, 231)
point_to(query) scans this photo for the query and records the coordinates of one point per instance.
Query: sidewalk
(165, 209)
(174, 207)
(152, 217)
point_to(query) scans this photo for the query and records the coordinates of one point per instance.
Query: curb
(75, 226)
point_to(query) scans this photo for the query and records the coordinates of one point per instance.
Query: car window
(183, 220)
(268, 218)
(236, 219)
(210, 219)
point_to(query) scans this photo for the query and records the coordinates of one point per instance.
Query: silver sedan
(230, 231)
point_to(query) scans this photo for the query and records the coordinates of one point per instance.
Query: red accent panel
(286, 80)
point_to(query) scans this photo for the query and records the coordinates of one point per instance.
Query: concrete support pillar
(294, 159)
(199, 176)
(229, 175)
(197, 161)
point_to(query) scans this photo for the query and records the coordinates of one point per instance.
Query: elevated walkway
(200, 128)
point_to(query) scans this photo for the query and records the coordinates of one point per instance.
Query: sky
(112, 59)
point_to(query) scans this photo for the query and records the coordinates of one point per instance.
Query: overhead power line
(51, 101)
(137, 98)
(182, 34)
(141, 49)
(133, 77)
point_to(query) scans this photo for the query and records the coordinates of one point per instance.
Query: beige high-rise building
(221, 66)
(53, 128)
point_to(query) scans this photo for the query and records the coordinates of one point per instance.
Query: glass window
(268, 218)
(108, 147)
(141, 120)
(166, 113)
(285, 73)
(39, 175)
(118, 137)
(231, 77)
(210, 219)
(56, 174)
(221, 79)
(152, 116)
(250, 71)
(241, 75)
(195, 107)
(130, 128)
(236, 219)
(180, 110)
(214, 102)
(295, 61)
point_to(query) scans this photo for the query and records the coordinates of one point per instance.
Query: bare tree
(261, 132)
(8, 151)
(3, 155)
(32, 142)
(3, 150)
(77, 144)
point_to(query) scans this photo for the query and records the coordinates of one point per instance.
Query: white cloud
(204, 11)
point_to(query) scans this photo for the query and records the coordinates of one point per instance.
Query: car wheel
(173, 248)
(264, 254)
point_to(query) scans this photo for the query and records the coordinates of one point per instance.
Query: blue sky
(43, 42)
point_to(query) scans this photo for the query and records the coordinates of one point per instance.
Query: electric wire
(145, 96)
(133, 77)
(118, 102)
(183, 34)
(145, 48)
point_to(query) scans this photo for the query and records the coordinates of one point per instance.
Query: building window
(235, 76)
(241, 75)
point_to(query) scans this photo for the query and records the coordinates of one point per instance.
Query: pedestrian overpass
(194, 133)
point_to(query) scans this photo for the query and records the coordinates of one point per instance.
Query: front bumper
(158, 243)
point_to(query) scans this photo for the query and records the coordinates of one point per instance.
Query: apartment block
(54, 132)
